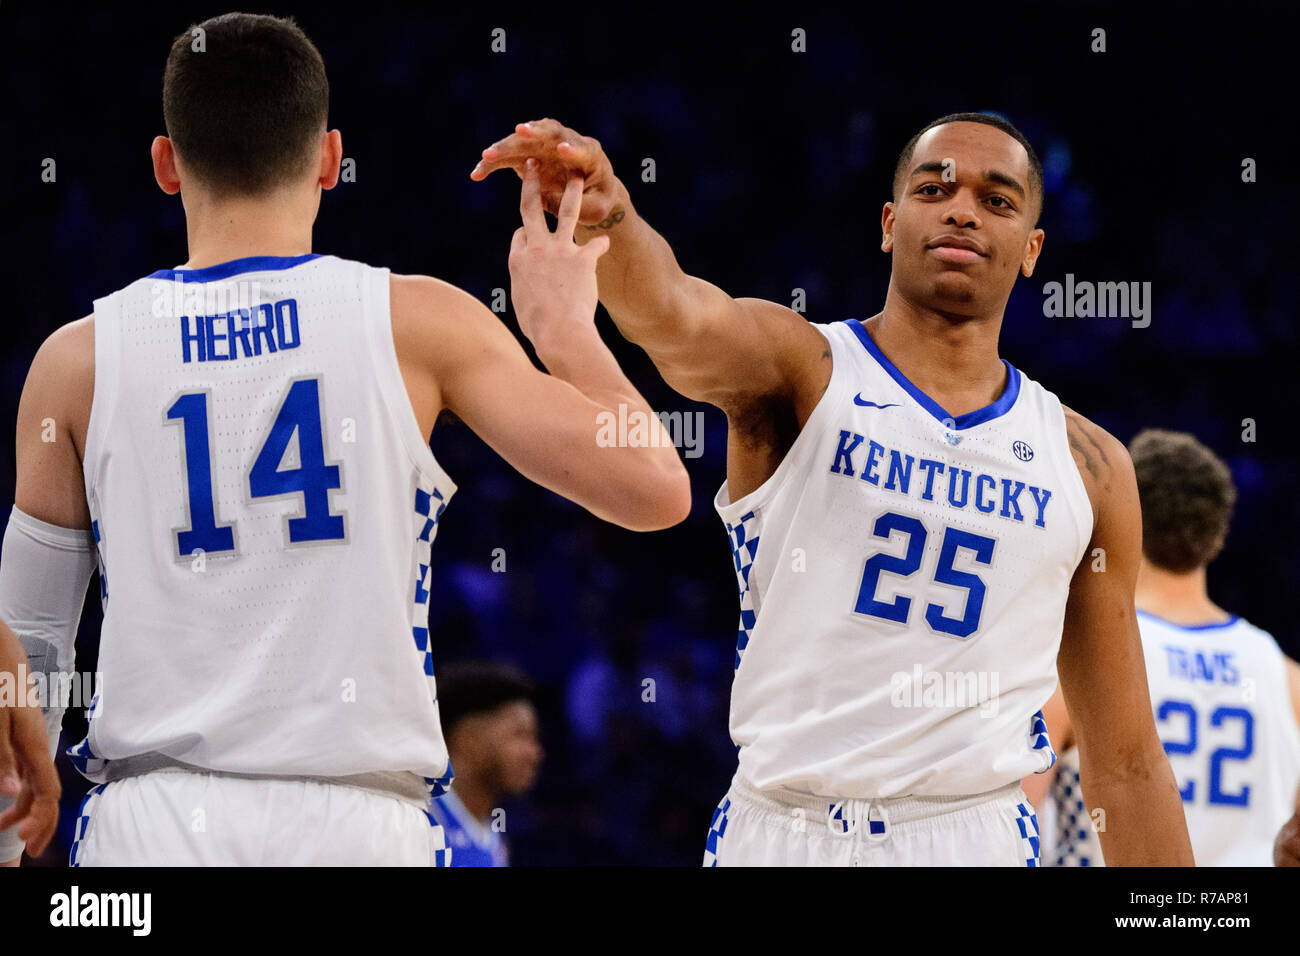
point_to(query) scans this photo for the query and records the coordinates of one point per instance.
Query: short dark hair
(988, 119)
(245, 108)
(466, 688)
(1187, 497)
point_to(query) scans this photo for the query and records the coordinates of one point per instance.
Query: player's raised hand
(552, 279)
(560, 153)
(26, 770)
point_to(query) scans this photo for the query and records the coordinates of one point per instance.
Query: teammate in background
(491, 728)
(247, 438)
(904, 508)
(1226, 699)
(27, 774)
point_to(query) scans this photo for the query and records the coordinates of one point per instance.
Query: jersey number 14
(313, 478)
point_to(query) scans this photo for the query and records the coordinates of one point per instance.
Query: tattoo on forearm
(609, 222)
(826, 354)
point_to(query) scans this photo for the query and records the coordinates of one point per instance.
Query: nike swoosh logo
(859, 400)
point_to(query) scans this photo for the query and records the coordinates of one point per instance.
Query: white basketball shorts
(754, 827)
(183, 818)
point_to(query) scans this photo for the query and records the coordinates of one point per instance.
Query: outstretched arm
(707, 345)
(559, 430)
(1123, 767)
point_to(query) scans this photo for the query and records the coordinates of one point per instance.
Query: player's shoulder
(60, 383)
(1103, 462)
(425, 296)
(774, 317)
(799, 349)
(66, 355)
(422, 306)
(796, 341)
(1248, 630)
(71, 336)
(435, 324)
(1102, 443)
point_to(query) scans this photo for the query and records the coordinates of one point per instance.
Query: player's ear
(1033, 246)
(331, 156)
(164, 165)
(887, 227)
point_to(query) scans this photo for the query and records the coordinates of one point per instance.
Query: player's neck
(220, 231)
(953, 360)
(474, 793)
(1177, 598)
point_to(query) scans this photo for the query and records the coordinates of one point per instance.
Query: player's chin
(952, 288)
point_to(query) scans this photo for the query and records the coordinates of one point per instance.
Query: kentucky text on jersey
(1212, 668)
(893, 471)
(216, 338)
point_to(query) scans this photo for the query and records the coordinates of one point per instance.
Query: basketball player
(491, 725)
(252, 429)
(904, 508)
(26, 771)
(1226, 699)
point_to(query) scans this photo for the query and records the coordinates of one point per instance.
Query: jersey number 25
(909, 563)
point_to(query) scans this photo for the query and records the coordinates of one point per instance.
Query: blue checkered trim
(1038, 740)
(842, 823)
(83, 820)
(88, 763)
(1027, 821)
(424, 508)
(717, 830)
(744, 545)
(429, 506)
(440, 785)
(440, 851)
(1074, 841)
(839, 822)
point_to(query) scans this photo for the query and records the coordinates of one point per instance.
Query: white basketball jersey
(1223, 710)
(903, 577)
(264, 505)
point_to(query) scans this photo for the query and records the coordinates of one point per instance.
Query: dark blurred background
(771, 170)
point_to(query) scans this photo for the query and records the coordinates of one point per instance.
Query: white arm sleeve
(44, 570)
